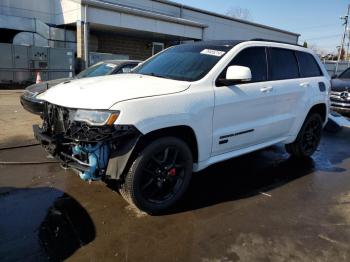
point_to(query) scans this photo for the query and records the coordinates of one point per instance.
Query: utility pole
(348, 48)
(345, 24)
(347, 52)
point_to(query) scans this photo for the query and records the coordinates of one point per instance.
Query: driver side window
(253, 57)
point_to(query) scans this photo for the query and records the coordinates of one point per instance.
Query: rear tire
(159, 176)
(308, 138)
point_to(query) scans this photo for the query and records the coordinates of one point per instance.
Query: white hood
(103, 92)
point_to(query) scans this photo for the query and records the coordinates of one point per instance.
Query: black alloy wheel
(164, 175)
(159, 176)
(309, 137)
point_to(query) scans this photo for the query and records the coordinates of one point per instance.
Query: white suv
(184, 109)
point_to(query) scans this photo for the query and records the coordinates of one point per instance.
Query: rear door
(290, 89)
(311, 76)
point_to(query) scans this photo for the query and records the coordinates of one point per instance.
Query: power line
(316, 26)
(323, 37)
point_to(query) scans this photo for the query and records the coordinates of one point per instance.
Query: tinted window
(307, 64)
(345, 74)
(183, 62)
(255, 59)
(99, 69)
(283, 64)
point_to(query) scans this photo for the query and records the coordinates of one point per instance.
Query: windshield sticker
(212, 52)
(111, 65)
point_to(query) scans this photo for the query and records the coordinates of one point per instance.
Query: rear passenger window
(283, 64)
(308, 66)
(255, 59)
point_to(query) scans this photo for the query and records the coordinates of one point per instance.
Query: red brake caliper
(172, 172)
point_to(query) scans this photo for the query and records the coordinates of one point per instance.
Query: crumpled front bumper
(120, 146)
(53, 148)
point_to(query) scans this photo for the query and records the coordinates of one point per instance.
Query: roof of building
(232, 43)
(224, 16)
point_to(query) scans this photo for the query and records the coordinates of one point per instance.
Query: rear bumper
(32, 105)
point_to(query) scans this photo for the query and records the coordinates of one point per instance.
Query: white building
(133, 29)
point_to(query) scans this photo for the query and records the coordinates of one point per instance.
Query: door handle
(266, 89)
(305, 84)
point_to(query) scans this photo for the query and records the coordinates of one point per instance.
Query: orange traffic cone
(38, 78)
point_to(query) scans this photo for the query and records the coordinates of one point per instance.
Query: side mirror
(236, 75)
(334, 76)
(239, 74)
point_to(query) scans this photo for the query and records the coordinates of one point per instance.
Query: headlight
(96, 118)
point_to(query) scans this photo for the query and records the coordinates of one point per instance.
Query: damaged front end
(87, 140)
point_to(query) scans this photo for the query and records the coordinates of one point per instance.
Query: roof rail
(273, 41)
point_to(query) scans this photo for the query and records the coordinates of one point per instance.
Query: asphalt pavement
(264, 206)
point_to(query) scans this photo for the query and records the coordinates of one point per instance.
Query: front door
(244, 114)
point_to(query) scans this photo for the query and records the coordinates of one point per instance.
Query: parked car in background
(108, 67)
(340, 93)
(184, 109)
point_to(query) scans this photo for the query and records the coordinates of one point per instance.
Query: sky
(318, 21)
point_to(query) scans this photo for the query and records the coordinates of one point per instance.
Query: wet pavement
(263, 206)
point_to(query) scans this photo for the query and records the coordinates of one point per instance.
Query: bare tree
(239, 12)
(319, 51)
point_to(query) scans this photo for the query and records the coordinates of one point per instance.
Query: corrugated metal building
(133, 29)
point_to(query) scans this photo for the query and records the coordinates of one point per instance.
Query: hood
(339, 85)
(42, 87)
(103, 92)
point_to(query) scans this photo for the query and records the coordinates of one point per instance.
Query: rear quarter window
(283, 64)
(308, 65)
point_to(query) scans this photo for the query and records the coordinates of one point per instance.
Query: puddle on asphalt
(41, 224)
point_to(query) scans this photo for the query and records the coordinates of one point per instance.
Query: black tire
(164, 165)
(309, 137)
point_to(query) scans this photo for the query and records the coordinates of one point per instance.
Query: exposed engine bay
(89, 149)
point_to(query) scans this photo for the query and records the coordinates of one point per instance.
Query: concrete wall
(218, 27)
(150, 6)
(69, 11)
(119, 19)
(40, 9)
(48, 11)
(66, 11)
(136, 48)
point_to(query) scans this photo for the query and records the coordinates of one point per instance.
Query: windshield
(183, 62)
(345, 74)
(99, 69)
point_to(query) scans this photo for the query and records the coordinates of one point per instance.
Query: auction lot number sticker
(212, 52)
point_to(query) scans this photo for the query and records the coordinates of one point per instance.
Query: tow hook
(98, 156)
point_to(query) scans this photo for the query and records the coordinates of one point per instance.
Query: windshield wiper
(154, 74)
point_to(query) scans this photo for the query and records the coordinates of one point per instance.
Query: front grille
(340, 97)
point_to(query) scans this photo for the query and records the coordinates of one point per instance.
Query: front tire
(159, 176)
(308, 138)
